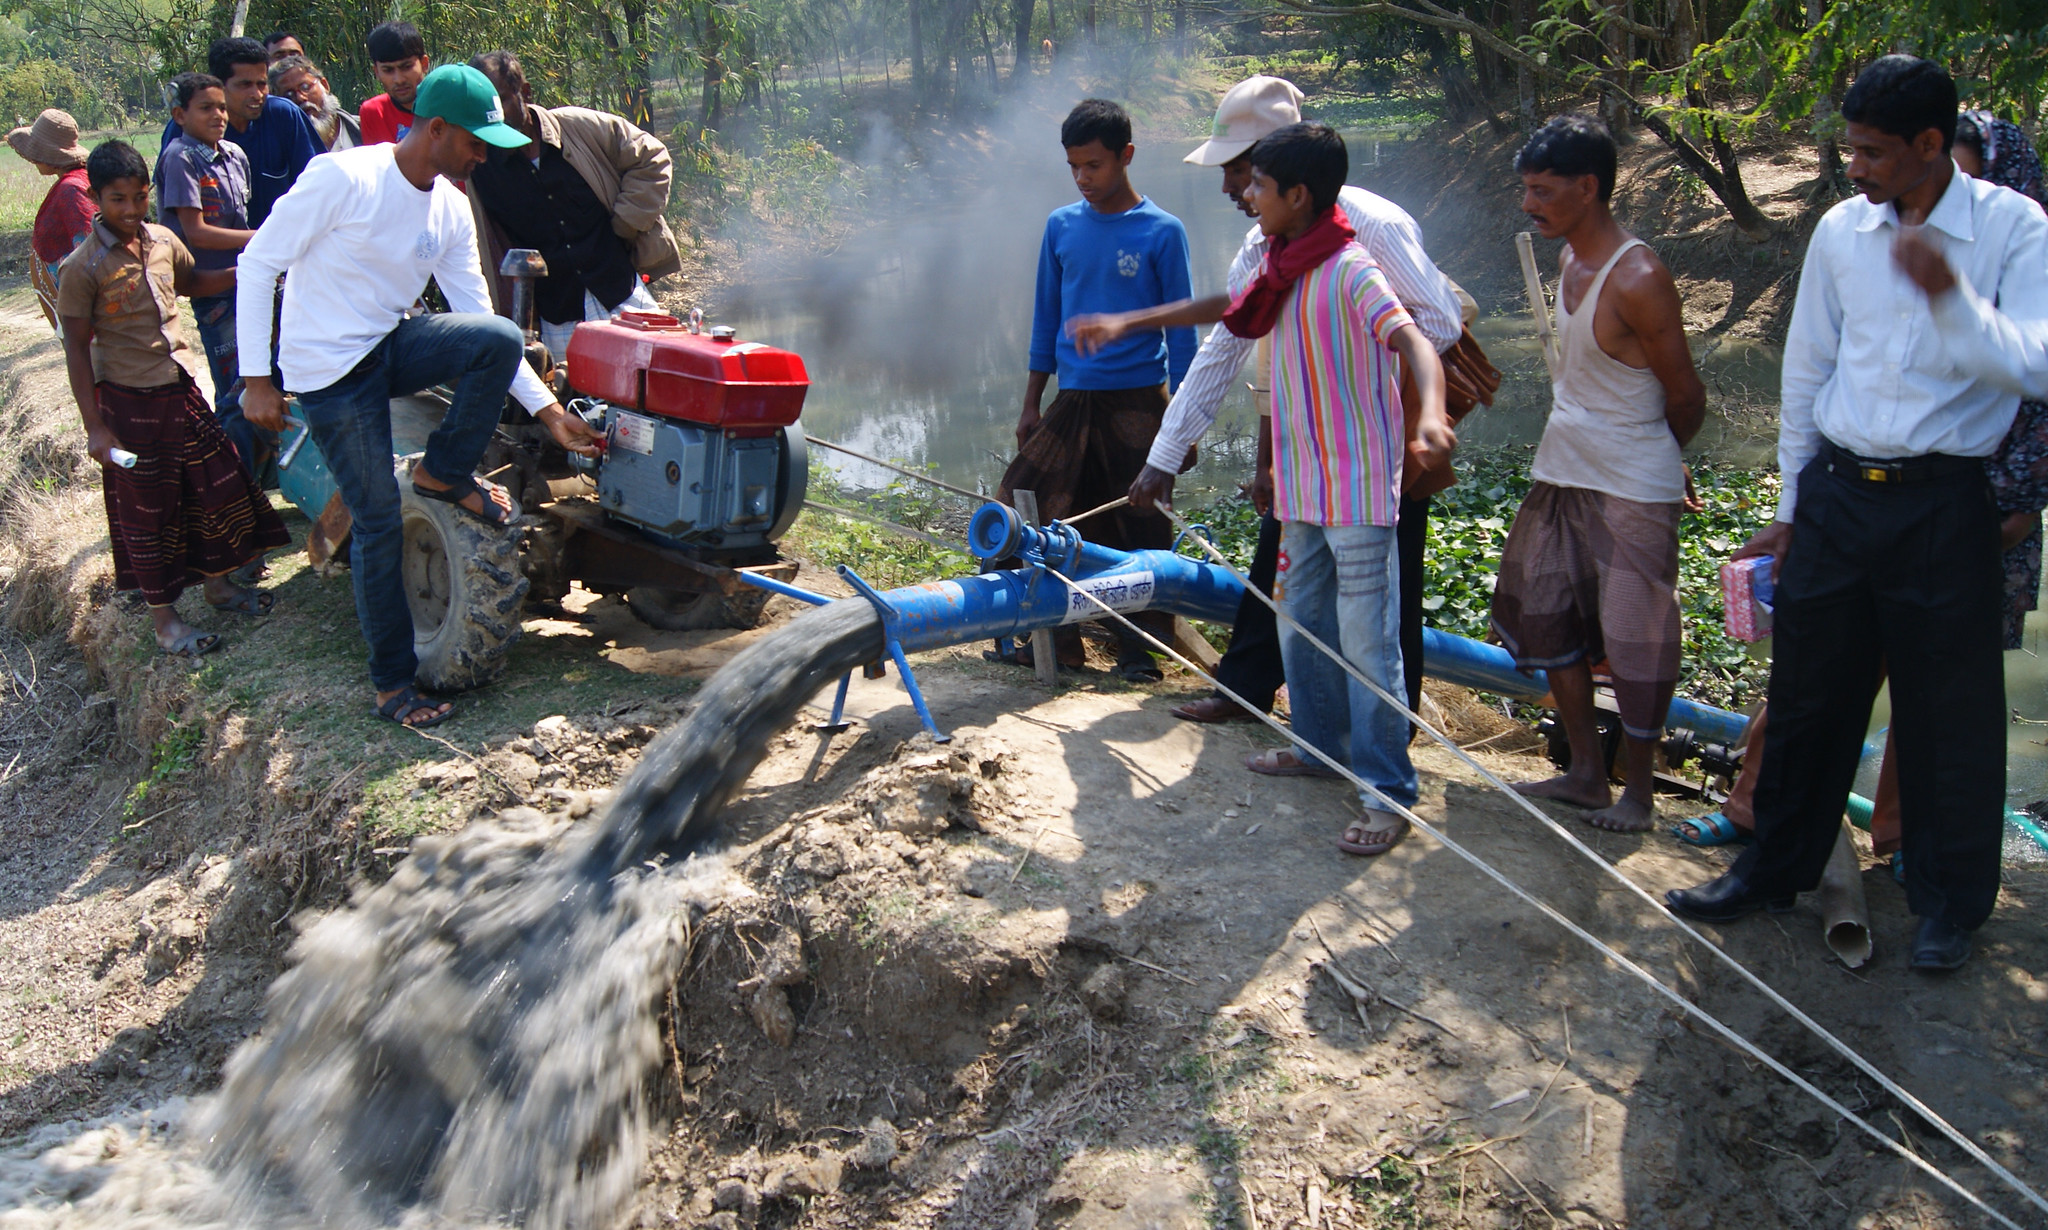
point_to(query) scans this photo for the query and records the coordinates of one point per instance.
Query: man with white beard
(299, 79)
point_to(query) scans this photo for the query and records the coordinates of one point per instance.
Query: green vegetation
(1469, 526)
(1388, 1195)
(171, 756)
(885, 558)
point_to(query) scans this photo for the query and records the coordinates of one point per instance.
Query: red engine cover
(652, 363)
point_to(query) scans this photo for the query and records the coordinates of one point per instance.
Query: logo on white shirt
(1127, 262)
(425, 247)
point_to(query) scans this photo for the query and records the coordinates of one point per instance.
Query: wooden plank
(1043, 660)
(1192, 645)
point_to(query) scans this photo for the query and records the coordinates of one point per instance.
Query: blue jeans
(351, 422)
(1342, 583)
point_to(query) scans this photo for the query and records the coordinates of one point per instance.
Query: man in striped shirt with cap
(1252, 109)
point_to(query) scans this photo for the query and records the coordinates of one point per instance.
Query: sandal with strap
(1374, 835)
(1282, 762)
(410, 701)
(495, 515)
(248, 602)
(1712, 829)
(193, 644)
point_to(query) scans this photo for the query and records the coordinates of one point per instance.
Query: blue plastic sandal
(1712, 829)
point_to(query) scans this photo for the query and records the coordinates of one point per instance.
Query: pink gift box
(1746, 595)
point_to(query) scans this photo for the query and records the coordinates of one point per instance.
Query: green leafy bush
(1469, 526)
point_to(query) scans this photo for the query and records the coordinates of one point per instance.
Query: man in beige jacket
(587, 193)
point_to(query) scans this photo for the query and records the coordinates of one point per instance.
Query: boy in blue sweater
(1112, 251)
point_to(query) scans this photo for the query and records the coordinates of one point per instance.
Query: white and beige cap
(1252, 108)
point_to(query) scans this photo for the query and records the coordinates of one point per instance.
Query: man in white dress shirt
(1921, 319)
(1251, 109)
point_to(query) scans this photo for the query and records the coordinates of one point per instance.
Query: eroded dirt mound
(1075, 970)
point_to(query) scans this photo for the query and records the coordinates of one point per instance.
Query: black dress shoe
(1723, 900)
(1941, 945)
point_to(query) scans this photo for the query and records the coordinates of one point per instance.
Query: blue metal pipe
(1019, 601)
(1015, 602)
(1468, 663)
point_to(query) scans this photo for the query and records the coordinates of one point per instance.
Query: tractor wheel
(680, 610)
(463, 583)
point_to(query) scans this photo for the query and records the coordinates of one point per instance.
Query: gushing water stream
(468, 1042)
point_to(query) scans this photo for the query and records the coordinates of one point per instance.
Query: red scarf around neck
(1257, 310)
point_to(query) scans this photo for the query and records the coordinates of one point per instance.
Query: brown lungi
(188, 509)
(1088, 449)
(1585, 576)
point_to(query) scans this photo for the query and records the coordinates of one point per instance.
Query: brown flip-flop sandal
(1384, 839)
(1282, 762)
(1212, 709)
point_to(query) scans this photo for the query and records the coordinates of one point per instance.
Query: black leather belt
(1932, 468)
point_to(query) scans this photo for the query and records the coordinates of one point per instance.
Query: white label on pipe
(634, 432)
(1125, 591)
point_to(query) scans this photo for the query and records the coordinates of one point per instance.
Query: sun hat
(52, 140)
(1252, 108)
(467, 99)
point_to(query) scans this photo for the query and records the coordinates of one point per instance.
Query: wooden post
(1042, 658)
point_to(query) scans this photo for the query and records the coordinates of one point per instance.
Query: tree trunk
(988, 48)
(1088, 22)
(640, 71)
(1180, 27)
(1613, 104)
(1834, 179)
(1723, 180)
(1020, 19)
(917, 80)
(1525, 77)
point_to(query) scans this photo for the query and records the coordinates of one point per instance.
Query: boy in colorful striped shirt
(1338, 429)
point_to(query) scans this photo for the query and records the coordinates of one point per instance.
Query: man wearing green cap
(361, 232)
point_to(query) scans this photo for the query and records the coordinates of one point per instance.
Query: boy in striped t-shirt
(1338, 432)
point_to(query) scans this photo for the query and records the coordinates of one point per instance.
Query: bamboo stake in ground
(1532, 282)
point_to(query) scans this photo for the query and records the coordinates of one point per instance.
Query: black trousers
(1904, 577)
(1251, 666)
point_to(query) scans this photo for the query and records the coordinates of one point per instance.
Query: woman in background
(51, 146)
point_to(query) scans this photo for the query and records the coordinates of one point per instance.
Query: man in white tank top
(1590, 571)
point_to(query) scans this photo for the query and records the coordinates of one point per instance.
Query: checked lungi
(1586, 575)
(187, 510)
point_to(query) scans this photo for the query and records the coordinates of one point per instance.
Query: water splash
(469, 1042)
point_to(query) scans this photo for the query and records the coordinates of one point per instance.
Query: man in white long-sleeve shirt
(360, 233)
(1251, 109)
(1921, 320)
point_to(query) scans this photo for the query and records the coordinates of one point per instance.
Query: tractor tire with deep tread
(463, 583)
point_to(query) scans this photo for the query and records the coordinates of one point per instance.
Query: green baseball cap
(467, 99)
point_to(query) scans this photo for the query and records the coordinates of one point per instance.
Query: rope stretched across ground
(1651, 980)
(1891, 1086)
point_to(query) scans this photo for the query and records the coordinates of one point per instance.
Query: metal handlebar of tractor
(703, 469)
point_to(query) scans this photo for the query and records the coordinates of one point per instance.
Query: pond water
(915, 336)
(915, 333)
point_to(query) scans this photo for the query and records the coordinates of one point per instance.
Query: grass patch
(395, 807)
(885, 558)
(302, 672)
(171, 756)
(877, 916)
(1389, 1195)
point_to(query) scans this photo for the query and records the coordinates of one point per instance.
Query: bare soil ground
(1069, 970)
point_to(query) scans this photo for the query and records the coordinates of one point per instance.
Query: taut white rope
(1580, 932)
